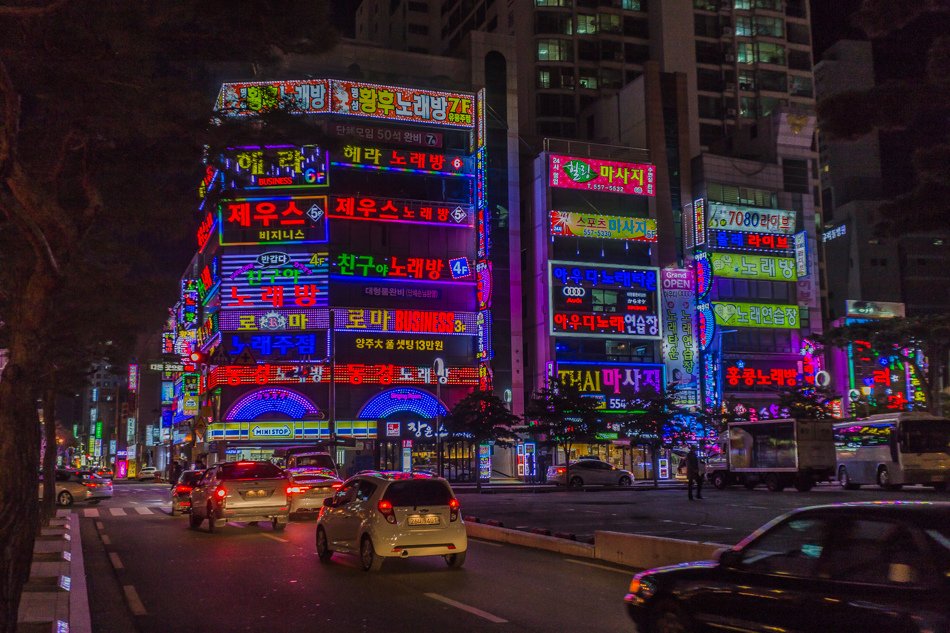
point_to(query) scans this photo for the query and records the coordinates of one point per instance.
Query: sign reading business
(592, 174)
(275, 167)
(759, 315)
(603, 301)
(734, 217)
(610, 227)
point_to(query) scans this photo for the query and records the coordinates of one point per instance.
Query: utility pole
(332, 398)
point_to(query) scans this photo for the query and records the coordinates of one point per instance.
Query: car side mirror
(328, 502)
(730, 559)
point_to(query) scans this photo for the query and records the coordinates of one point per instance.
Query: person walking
(693, 474)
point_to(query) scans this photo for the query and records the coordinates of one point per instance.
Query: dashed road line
(90, 513)
(584, 562)
(105, 539)
(470, 609)
(143, 511)
(117, 512)
(100, 526)
(276, 538)
(116, 561)
(135, 603)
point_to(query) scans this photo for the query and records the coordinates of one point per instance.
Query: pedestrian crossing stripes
(123, 511)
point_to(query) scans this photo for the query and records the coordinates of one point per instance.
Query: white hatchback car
(387, 514)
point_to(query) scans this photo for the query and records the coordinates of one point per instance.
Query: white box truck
(778, 453)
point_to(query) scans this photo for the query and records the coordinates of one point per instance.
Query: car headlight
(641, 587)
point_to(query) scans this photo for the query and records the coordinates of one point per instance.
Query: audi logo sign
(574, 291)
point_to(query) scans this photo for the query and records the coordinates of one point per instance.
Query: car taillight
(296, 490)
(337, 486)
(561, 471)
(454, 509)
(386, 509)
(220, 492)
(90, 485)
(182, 490)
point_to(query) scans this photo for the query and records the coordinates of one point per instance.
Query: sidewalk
(54, 598)
(509, 485)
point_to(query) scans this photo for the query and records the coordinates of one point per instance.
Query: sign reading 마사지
(592, 174)
(611, 227)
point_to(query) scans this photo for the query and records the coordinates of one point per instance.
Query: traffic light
(198, 357)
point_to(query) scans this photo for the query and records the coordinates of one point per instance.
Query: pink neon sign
(592, 174)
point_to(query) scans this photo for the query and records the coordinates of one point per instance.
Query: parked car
(309, 488)
(148, 473)
(105, 473)
(181, 491)
(74, 486)
(241, 491)
(586, 472)
(387, 514)
(848, 568)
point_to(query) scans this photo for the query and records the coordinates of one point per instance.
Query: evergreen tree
(482, 417)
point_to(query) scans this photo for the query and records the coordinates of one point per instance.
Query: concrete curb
(630, 550)
(80, 620)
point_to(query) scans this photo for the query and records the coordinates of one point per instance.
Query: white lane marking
(716, 527)
(135, 603)
(736, 505)
(276, 538)
(464, 607)
(116, 561)
(117, 512)
(135, 503)
(105, 539)
(492, 543)
(90, 513)
(583, 562)
(143, 511)
(100, 526)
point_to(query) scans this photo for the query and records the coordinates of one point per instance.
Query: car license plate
(425, 519)
(255, 493)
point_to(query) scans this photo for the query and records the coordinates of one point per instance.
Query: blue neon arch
(401, 400)
(268, 400)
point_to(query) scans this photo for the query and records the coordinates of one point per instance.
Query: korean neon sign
(760, 242)
(611, 227)
(409, 161)
(756, 375)
(351, 373)
(743, 266)
(393, 268)
(741, 218)
(205, 230)
(273, 220)
(276, 167)
(188, 305)
(404, 211)
(679, 333)
(356, 346)
(616, 386)
(759, 315)
(603, 301)
(354, 319)
(246, 98)
(699, 221)
(287, 346)
(274, 279)
(592, 174)
(403, 104)
(397, 136)
(801, 253)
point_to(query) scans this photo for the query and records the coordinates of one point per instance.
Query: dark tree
(103, 110)
(482, 417)
(807, 402)
(661, 422)
(910, 103)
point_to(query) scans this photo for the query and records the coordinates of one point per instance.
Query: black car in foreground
(850, 567)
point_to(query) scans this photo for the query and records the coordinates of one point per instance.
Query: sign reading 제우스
(571, 172)
(734, 217)
(611, 227)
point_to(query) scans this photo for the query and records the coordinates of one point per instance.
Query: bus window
(925, 436)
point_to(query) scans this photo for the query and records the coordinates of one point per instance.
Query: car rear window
(316, 461)
(249, 470)
(190, 478)
(418, 492)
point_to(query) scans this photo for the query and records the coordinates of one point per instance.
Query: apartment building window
(588, 51)
(746, 80)
(610, 23)
(767, 105)
(555, 50)
(709, 134)
(768, 53)
(552, 3)
(743, 26)
(799, 60)
(707, 79)
(611, 78)
(747, 107)
(418, 29)
(795, 8)
(772, 5)
(745, 52)
(771, 80)
(636, 53)
(636, 27)
(710, 107)
(611, 50)
(555, 105)
(708, 52)
(588, 78)
(421, 7)
(707, 25)
(556, 77)
(586, 24)
(795, 175)
(633, 5)
(544, 78)
(800, 86)
(551, 22)
(706, 5)
(730, 194)
(799, 34)
(770, 27)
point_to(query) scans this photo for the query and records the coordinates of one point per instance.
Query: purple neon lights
(256, 403)
(402, 399)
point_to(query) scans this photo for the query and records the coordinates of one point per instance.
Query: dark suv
(847, 568)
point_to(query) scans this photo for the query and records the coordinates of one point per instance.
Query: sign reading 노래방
(749, 266)
(758, 315)
(611, 227)
(423, 162)
(733, 217)
(274, 279)
(404, 211)
(593, 174)
(678, 305)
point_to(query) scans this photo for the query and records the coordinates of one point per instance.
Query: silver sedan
(309, 489)
(589, 472)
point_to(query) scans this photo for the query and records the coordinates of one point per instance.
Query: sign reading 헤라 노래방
(593, 174)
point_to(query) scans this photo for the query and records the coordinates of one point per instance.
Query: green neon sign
(760, 315)
(764, 267)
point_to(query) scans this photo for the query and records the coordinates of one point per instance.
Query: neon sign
(761, 242)
(400, 160)
(593, 174)
(404, 211)
(393, 268)
(405, 348)
(839, 231)
(274, 279)
(352, 373)
(396, 136)
(760, 315)
(679, 334)
(603, 301)
(273, 400)
(611, 227)
(402, 293)
(755, 375)
(765, 267)
(306, 345)
(188, 305)
(699, 221)
(273, 220)
(403, 104)
(355, 319)
(400, 399)
(245, 98)
(205, 230)
(276, 167)
(741, 218)
(703, 274)
(616, 386)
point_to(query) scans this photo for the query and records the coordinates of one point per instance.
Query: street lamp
(438, 368)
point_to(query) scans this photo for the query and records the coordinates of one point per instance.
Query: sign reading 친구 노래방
(592, 174)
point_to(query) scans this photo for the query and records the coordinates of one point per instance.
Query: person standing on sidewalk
(693, 474)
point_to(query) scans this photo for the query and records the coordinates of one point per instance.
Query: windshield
(313, 461)
(926, 436)
(418, 492)
(249, 470)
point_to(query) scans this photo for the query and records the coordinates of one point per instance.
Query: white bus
(891, 450)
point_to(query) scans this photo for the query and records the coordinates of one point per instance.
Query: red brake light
(297, 489)
(337, 486)
(561, 471)
(182, 489)
(454, 509)
(385, 508)
(220, 493)
(453, 504)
